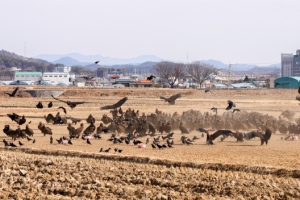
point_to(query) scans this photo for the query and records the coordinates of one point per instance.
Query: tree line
(171, 72)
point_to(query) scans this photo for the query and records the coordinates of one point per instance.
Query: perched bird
(230, 105)
(70, 142)
(215, 110)
(65, 111)
(147, 141)
(59, 141)
(20, 143)
(172, 98)
(120, 150)
(136, 142)
(13, 93)
(153, 146)
(88, 141)
(40, 105)
(5, 143)
(33, 141)
(50, 104)
(116, 105)
(97, 62)
(236, 110)
(107, 150)
(150, 77)
(101, 150)
(276, 84)
(28, 138)
(51, 140)
(29, 122)
(69, 103)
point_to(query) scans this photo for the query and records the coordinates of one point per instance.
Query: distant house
(58, 77)
(219, 86)
(27, 76)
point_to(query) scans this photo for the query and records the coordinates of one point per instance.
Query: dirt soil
(227, 170)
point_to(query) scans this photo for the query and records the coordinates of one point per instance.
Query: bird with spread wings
(210, 138)
(69, 103)
(230, 105)
(13, 93)
(264, 138)
(116, 105)
(172, 98)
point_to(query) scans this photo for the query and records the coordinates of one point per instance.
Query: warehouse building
(287, 82)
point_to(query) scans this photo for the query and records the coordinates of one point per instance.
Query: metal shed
(287, 82)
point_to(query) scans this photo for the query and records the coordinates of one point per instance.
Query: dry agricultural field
(226, 170)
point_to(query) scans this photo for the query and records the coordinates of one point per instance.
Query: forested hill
(9, 60)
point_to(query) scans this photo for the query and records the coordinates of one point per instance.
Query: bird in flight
(151, 77)
(230, 105)
(69, 103)
(116, 105)
(13, 93)
(172, 98)
(276, 84)
(236, 110)
(65, 111)
(97, 62)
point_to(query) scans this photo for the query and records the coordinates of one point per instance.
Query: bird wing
(15, 91)
(163, 98)
(254, 134)
(63, 109)
(80, 102)
(58, 99)
(116, 105)
(174, 97)
(218, 133)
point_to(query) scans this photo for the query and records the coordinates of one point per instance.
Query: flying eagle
(263, 137)
(116, 105)
(69, 103)
(210, 138)
(171, 99)
(13, 93)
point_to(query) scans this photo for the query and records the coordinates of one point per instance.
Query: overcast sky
(236, 31)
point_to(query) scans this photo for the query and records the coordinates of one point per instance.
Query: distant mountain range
(90, 59)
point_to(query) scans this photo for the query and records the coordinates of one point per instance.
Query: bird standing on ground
(207, 90)
(40, 105)
(276, 84)
(51, 140)
(20, 143)
(50, 104)
(88, 141)
(215, 110)
(33, 141)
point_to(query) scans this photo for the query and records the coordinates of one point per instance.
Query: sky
(231, 31)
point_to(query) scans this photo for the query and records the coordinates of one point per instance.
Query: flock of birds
(129, 125)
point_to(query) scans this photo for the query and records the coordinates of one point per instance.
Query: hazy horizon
(249, 31)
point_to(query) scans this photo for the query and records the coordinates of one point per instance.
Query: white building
(63, 69)
(58, 77)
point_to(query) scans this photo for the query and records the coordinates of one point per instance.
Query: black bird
(87, 77)
(69, 103)
(50, 104)
(230, 105)
(88, 141)
(59, 141)
(127, 140)
(101, 150)
(153, 146)
(5, 142)
(28, 138)
(215, 110)
(207, 90)
(236, 110)
(116, 150)
(170, 146)
(156, 139)
(107, 150)
(13, 93)
(136, 142)
(105, 130)
(97, 62)
(51, 140)
(202, 130)
(150, 77)
(246, 79)
(29, 122)
(40, 105)
(120, 150)
(276, 84)
(116, 141)
(20, 143)
(159, 146)
(12, 144)
(116, 105)
(69, 141)
(65, 111)
(33, 141)
(147, 141)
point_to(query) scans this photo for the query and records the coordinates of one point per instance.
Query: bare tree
(200, 71)
(169, 71)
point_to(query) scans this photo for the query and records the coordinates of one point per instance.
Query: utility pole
(229, 71)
